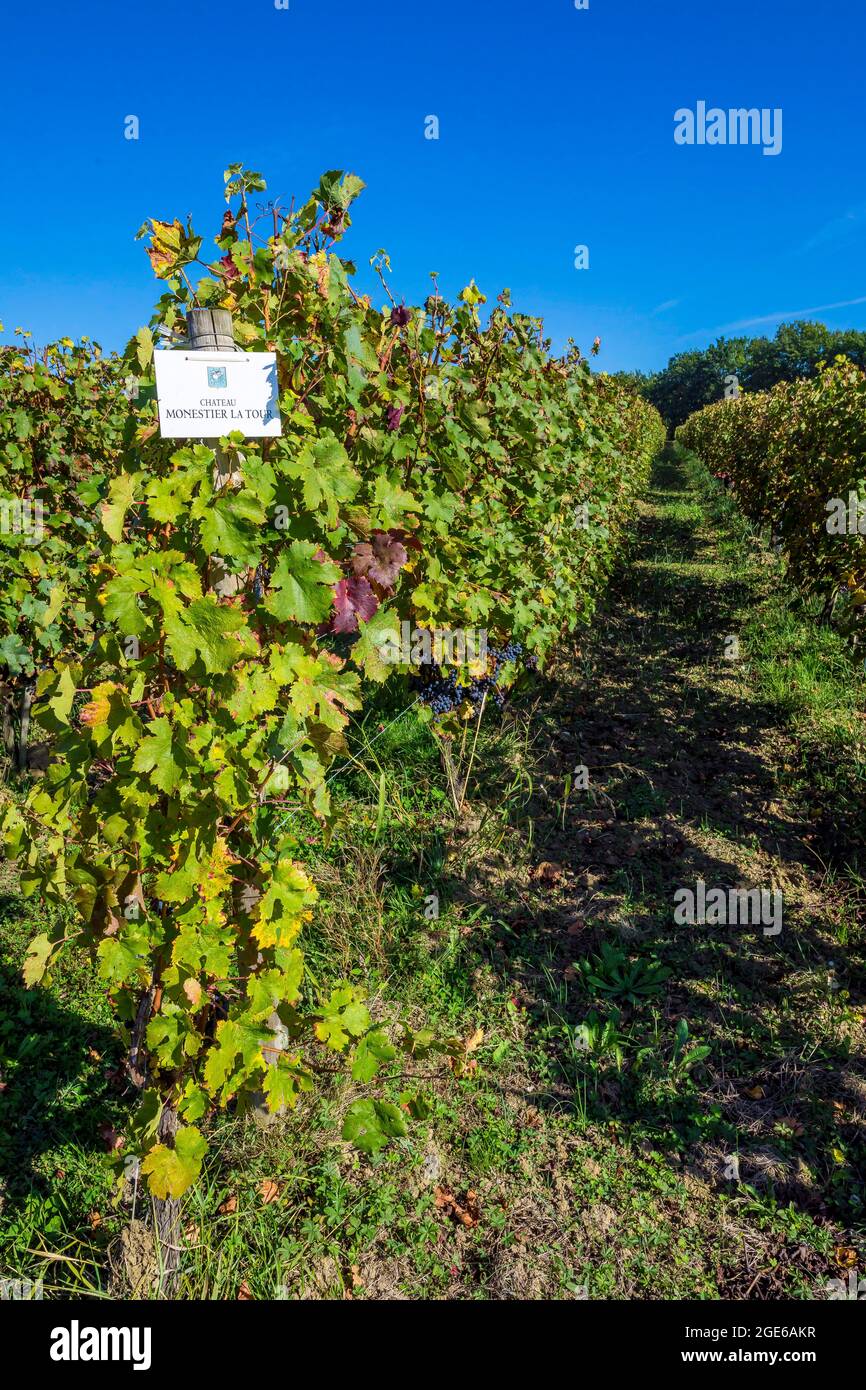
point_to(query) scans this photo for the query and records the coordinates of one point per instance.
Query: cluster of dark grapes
(485, 685)
(513, 652)
(436, 689)
(443, 692)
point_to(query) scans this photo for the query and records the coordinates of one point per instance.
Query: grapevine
(233, 610)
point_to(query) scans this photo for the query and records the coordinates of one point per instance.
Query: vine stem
(472, 754)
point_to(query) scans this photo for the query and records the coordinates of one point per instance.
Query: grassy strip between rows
(621, 1062)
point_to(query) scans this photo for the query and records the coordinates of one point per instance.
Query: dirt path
(682, 754)
(685, 763)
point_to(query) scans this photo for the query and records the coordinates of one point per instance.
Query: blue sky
(556, 130)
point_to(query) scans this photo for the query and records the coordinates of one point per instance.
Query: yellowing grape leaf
(171, 1171)
(283, 905)
(39, 953)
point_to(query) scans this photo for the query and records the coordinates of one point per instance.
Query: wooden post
(24, 731)
(167, 1218)
(210, 330)
(7, 696)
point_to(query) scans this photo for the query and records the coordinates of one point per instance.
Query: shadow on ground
(55, 1086)
(684, 784)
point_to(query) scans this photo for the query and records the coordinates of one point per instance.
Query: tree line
(694, 379)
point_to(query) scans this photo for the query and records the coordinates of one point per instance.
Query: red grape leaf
(353, 598)
(380, 559)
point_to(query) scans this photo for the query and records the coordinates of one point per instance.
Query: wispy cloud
(837, 229)
(668, 304)
(781, 317)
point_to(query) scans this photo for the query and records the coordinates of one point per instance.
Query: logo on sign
(216, 376)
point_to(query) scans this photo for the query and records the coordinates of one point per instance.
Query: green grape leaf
(121, 605)
(14, 654)
(162, 754)
(208, 631)
(377, 649)
(342, 1016)
(373, 1049)
(231, 527)
(327, 474)
(301, 586)
(284, 1083)
(369, 1124)
(121, 492)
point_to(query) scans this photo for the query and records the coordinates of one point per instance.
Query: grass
(806, 673)
(655, 1111)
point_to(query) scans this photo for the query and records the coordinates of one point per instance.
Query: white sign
(203, 395)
